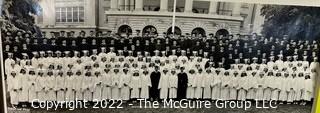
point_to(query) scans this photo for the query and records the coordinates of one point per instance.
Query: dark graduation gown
(154, 91)
(182, 85)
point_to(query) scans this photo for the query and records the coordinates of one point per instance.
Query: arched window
(124, 29)
(197, 31)
(177, 30)
(150, 30)
(222, 32)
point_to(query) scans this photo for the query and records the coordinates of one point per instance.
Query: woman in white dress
(60, 85)
(191, 84)
(107, 80)
(136, 83)
(173, 84)
(216, 83)
(32, 86)
(125, 78)
(115, 89)
(23, 98)
(97, 86)
(199, 84)
(145, 83)
(207, 79)
(164, 84)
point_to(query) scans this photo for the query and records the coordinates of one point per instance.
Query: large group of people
(67, 68)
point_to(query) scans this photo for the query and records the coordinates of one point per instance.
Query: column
(139, 5)
(213, 7)
(164, 5)
(121, 5)
(236, 9)
(126, 5)
(114, 5)
(188, 6)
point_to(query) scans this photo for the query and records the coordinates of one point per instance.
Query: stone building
(150, 16)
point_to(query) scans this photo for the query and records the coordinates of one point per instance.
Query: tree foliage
(298, 22)
(20, 15)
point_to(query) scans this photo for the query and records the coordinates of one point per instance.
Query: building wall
(100, 19)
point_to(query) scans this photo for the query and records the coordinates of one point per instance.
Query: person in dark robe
(182, 84)
(155, 78)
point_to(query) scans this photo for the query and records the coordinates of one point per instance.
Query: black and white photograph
(159, 56)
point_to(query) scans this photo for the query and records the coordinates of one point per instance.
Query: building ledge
(169, 14)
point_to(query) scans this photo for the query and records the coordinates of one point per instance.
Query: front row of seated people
(109, 76)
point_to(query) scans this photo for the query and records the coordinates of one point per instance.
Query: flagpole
(174, 17)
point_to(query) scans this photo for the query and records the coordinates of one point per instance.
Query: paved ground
(280, 109)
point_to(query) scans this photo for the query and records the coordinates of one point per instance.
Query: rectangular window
(70, 14)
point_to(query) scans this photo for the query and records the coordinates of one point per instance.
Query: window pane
(75, 14)
(57, 14)
(69, 14)
(81, 16)
(63, 15)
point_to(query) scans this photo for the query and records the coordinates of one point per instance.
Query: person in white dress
(115, 89)
(60, 85)
(87, 86)
(207, 79)
(225, 85)
(69, 80)
(50, 84)
(284, 87)
(107, 80)
(198, 84)
(164, 84)
(32, 95)
(234, 84)
(23, 98)
(145, 83)
(173, 84)
(14, 87)
(125, 78)
(97, 86)
(308, 90)
(216, 83)
(191, 84)
(260, 86)
(136, 83)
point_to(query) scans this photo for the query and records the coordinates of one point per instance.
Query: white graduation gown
(173, 85)
(225, 87)
(14, 89)
(60, 88)
(207, 79)
(51, 92)
(106, 89)
(41, 87)
(191, 85)
(216, 85)
(115, 89)
(164, 85)
(69, 80)
(198, 85)
(24, 84)
(145, 84)
(87, 88)
(32, 88)
(124, 85)
(97, 88)
(135, 84)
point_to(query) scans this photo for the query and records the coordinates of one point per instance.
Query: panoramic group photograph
(158, 56)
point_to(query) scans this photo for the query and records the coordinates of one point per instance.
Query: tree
(298, 22)
(20, 15)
